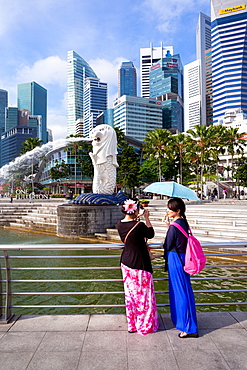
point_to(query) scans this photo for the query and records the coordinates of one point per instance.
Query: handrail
(6, 285)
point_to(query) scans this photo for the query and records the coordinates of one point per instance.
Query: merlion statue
(104, 158)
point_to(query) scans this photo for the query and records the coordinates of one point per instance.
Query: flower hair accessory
(130, 206)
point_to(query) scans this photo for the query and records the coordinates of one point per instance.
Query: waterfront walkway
(101, 342)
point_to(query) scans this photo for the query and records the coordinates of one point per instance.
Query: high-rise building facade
(137, 116)
(192, 95)
(166, 85)
(203, 43)
(77, 70)
(3, 106)
(33, 97)
(127, 79)
(209, 90)
(148, 57)
(12, 114)
(12, 141)
(229, 52)
(94, 103)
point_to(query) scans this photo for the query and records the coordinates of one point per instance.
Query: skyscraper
(192, 95)
(137, 116)
(148, 57)
(77, 70)
(127, 79)
(94, 102)
(209, 93)
(3, 106)
(203, 43)
(33, 97)
(229, 52)
(166, 85)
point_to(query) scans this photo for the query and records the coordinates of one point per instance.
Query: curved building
(78, 69)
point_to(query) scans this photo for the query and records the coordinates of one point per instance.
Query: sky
(35, 36)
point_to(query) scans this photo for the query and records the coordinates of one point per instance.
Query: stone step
(36, 218)
(35, 226)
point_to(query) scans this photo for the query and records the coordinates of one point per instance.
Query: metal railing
(12, 258)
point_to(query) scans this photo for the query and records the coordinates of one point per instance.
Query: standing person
(215, 193)
(224, 193)
(182, 302)
(11, 198)
(141, 312)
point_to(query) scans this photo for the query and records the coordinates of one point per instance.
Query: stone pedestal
(75, 221)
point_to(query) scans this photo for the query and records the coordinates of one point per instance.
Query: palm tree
(157, 145)
(234, 144)
(200, 147)
(76, 145)
(30, 144)
(179, 142)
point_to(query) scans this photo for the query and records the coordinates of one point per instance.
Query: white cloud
(167, 13)
(58, 124)
(48, 71)
(107, 70)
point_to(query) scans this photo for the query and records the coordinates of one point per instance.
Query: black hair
(177, 204)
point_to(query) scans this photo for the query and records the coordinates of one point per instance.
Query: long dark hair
(177, 204)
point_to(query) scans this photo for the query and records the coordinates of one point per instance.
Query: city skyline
(36, 36)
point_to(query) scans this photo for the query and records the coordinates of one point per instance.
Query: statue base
(82, 220)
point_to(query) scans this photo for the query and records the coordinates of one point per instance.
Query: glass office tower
(166, 85)
(3, 106)
(229, 53)
(127, 79)
(94, 103)
(33, 97)
(148, 57)
(137, 116)
(77, 70)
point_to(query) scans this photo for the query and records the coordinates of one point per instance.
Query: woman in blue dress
(182, 302)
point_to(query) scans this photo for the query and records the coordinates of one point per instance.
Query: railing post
(7, 315)
(1, 295)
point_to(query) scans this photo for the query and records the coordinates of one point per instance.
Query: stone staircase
(210, 223)
(30, 216)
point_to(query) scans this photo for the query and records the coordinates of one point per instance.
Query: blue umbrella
(171, 189)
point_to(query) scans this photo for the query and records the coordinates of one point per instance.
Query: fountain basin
(77, 220)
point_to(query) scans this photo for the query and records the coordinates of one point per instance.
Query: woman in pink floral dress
(141, 312)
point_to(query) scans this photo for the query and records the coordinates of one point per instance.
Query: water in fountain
(22, 163)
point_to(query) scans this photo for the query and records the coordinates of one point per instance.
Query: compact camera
(141, 210)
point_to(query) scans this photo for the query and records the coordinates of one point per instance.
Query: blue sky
(35, 36)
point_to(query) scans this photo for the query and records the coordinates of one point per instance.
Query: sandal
(188, 335)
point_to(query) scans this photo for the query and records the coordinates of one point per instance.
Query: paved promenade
(101, 342)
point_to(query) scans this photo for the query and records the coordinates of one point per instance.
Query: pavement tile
(236, 359)
(107, 322)
(155, 341)
(20, 342)
(152, 359)
(201, 359)
(177, 343)
(232, 339)
(6, 327)
(54, 361)
(105, 341)
(62, 342)
(166, 318)
(216, 320)
(51, 323)
(241, 317)
(17, 361)
(103, 360)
